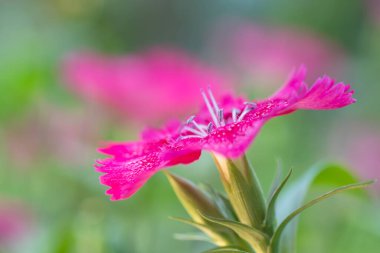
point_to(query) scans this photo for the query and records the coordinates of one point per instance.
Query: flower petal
(325, 94)
(125, 177)
(233, 140)
(295, 87)
(132, 164)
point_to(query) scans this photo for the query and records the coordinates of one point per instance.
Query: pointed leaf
(274, 244)
(294, 196)
(225, 250)
(192, 237)
(202, 227)
(270, 218)
(209, 231)
(277, 179)
(254, 237)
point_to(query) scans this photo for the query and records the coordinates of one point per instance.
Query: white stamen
(246, 110)
(194, 131)
(200, 127)
(190, 119)
(215, 104)
(189, 137)
(210, 109)
(252, 105)
(234, 114)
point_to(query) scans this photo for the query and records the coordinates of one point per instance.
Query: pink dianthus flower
(225, 127)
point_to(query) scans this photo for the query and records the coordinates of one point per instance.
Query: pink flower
(373, 7)
(263, 54)
(15, 221)
(130, 84)
(226, 128)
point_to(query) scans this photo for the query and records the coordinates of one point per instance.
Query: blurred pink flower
(52, 132)
(148, 86)
(373, 8)
(15, 221)
(359, 145)
(263, 54)
(226, 128)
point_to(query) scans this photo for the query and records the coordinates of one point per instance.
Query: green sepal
(222, 202)
(255, 238)
(243, 189)
(275, 240)
(192, 198)
(195, 201)
(227, 249)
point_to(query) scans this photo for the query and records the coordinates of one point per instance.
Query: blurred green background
(49, 135)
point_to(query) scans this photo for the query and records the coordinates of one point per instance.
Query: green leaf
(270, 218)
(254, 237)
(202, 227)
(192, 237)
(275, 241)
(225, 250)
(277, 179)
(209, 230)
(293, 197)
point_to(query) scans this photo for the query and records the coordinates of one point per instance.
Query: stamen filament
(215, 104)
(190, 137)
(246, 110)
(194, 131)
(201, 128)
(234, 114)
(210, 109)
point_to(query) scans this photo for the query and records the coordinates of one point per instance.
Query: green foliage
(270, 217)
(275, 241)
(225, 250)
(294, 196)
(282, 206)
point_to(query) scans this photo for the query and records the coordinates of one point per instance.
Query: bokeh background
(52, 119)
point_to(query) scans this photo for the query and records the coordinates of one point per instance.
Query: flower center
(194, 129)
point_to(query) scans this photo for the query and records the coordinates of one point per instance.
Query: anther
(221, 117)
(252, 105)
(210, 127)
